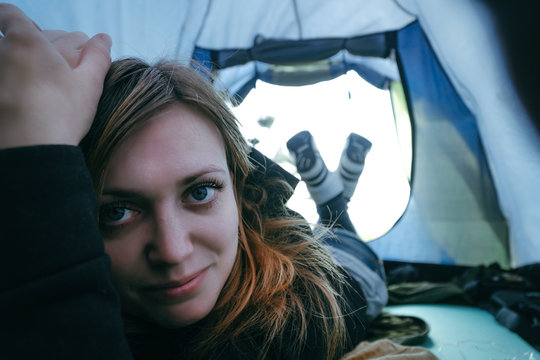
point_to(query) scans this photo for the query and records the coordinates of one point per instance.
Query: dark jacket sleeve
(56, 299)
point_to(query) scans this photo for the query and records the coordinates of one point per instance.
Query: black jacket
(56, 299)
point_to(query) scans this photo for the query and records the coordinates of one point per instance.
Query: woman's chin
(178, 316)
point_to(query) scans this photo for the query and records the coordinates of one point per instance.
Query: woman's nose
(171, 240)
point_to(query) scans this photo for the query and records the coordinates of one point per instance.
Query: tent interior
(464, 155)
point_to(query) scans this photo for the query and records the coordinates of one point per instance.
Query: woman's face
(169, 218)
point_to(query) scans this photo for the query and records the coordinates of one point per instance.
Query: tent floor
(461, 332)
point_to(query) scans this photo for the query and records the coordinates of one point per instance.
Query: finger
(13, 19)
(96, 55)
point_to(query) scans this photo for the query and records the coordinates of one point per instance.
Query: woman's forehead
(178, 137)
(180, 122)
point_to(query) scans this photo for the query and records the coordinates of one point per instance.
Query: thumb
(96, 56)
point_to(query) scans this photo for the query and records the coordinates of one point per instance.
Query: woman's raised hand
(50, 81)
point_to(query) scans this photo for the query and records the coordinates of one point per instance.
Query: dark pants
(334, 214)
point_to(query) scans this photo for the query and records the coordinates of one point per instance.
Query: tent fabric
(288, 52)
(235, 24)
(239, 80)
(453, 202)
(460, 32)
(471, 57)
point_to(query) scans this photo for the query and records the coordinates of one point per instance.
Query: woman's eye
(202, 193)
(115, 215)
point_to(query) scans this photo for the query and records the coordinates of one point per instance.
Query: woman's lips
(176, 290)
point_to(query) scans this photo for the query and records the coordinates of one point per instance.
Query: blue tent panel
(453, 201)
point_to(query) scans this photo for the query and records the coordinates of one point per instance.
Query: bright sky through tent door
(331, 110)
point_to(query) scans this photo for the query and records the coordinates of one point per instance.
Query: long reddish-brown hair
(282, 278)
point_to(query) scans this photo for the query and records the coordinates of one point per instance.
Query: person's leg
(363, 264)
(326, 189)
(334, 214)
(322, 184)
(351, 163)
(348, 249)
